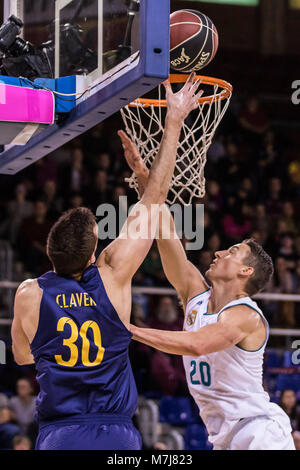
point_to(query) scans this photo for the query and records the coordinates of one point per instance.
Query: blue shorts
(101, 432)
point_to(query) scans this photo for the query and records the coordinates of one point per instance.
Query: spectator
(33, 237)
(23, 404)
(294, 179)
(54, 203)
(268, 163)
(104, 161)
(214, 197)
(166, 370)
(288, 217)
(74, 176)
(45, 169)
(260, 220)
(274, 198)
(246, 192)
(229, 169)
(7, 430)
(17, 210)
(99, 192)
(216, 150)
(166, 315)
(287, 250)
(288, 403)
(21, 443)
(205, 258)
(253, 118)
(214, 243)
(3, 401)
(237, 225)
(283, 282)
(75, 200)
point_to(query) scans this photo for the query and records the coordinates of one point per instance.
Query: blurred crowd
(252, 190)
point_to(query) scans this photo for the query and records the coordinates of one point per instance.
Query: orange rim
(178, 78)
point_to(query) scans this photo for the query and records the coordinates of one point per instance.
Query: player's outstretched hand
(180, 104)
(132, 155)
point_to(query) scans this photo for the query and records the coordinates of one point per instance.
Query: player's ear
(247, 271)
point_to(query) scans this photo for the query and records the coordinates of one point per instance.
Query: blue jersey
(81, 351)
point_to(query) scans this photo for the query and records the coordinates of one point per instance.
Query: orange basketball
(194, 41)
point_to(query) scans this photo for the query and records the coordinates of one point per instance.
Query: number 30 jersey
(81, 351)
(227, 385)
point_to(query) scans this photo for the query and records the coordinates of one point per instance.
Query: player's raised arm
(128, 251)
(180, 272)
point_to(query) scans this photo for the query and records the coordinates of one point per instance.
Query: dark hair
(293, 412)
(71, 241)
(262, 264)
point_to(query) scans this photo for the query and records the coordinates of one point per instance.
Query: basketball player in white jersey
(224, 338)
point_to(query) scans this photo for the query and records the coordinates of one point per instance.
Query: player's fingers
(124, 138)
(199, 94)
(121, 133)
(190, 81)
(167, 86)
(196, 85)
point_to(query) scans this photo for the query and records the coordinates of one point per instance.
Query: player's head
(246, 263)
(72, 242)
(24, 387)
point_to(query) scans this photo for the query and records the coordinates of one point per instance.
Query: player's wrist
(174, 120)
(143, 173)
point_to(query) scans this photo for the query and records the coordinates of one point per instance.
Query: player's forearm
(181, 343)
(163, 166)
(142, 182)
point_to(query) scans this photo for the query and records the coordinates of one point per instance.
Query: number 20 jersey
(81, 351)
(227, 385)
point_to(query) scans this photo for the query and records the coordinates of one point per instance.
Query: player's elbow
(197, 350)
(23, 362)
(20, 359)
(155, 193)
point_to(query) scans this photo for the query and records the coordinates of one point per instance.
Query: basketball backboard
(117, 49)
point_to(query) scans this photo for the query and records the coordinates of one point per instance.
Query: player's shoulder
(243, 315)
(28, 290)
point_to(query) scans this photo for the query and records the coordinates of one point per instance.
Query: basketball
(194, 41)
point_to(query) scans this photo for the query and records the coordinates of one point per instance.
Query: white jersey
(227, 385)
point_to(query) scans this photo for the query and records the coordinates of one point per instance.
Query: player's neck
(222, 294)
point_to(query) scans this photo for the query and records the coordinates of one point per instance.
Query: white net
(144, 124)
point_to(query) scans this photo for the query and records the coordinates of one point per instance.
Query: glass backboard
(79, 37)
(119, 48)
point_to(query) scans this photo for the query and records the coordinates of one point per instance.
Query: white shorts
(260, 433)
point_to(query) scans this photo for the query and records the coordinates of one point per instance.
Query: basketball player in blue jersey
(224, 338)
(73, 322)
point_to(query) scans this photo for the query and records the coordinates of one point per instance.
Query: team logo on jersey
(191, 318)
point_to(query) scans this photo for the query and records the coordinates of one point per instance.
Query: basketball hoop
(144, 122)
